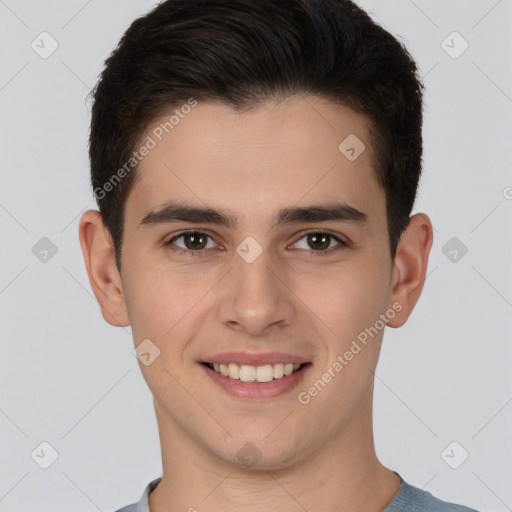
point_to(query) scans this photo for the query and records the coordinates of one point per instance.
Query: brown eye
(190, 242)
(195, 241)
(320, 243)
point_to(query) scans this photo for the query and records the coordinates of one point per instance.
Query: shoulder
(142, 505)
(412, 499)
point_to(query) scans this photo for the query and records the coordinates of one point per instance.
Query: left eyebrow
(331, 212)
(175, 212)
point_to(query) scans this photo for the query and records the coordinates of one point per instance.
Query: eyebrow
(176, 212)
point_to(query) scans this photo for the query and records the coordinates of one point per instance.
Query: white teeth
(234, 371)
(264, 373)
(288, 368)
(247, 373)
(278, 371)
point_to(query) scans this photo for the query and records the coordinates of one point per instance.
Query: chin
(258, 454)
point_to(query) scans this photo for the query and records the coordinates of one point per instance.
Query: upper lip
(255, 359)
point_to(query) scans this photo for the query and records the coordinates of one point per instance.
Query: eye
(193, 243)
(320, 241)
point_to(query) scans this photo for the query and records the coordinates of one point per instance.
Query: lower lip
(257, 390)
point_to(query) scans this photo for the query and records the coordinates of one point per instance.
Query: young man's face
(261, 291)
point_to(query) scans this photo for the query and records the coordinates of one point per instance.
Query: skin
(318, 456)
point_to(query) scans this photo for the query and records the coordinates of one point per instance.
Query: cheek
(346, 299)
(159, 301)
(350, 304)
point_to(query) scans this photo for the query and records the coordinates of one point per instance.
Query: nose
(256, 297)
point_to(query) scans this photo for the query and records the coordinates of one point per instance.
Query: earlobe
(410, 266)
(104, 278)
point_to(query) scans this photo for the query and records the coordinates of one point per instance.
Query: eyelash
(201, 252)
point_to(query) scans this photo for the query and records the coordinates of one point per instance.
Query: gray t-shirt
(407, 499)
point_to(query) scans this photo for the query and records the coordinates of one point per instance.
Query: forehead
(299, 150)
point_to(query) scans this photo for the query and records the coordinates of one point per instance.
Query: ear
(410, 267)
(99, 255)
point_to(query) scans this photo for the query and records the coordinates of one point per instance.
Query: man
(255, 166)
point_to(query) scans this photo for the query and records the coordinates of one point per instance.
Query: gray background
(69, 379)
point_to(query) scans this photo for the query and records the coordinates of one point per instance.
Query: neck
(344, 475)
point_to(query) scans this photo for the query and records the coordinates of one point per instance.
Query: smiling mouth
(263, 373)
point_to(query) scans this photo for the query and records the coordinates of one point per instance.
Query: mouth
(261, 374)
(269, 376)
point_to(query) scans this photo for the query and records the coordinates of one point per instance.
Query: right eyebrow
(175, 212)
